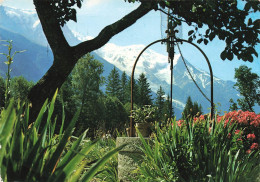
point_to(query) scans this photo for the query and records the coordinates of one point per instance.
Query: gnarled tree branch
(109, 31)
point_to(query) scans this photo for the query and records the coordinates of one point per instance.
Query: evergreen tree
(233, 105)
(248, 85)
(86, 82)
(187, 112)
(168, 108)
(113, 83)
(197, 109)
(123, 90)
(144, 91)
(135, 91)
(159, 103)
(191, 109)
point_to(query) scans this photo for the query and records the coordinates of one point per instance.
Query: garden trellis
(171, 41)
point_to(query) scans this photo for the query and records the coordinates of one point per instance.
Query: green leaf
(199, 41)
(206, 41)
(72, 164)
(73, 15)
(190, 32)
(55, 157)
(207, 31)
(230, 56)
(249, 22)
(71, 153)
(6, 127)
(101, 162)
(223, 55)
(212, 36)
(194, 9)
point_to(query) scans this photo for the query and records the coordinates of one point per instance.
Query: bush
(197, 151)
(34, 153)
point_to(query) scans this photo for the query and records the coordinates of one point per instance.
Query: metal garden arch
(170, 40)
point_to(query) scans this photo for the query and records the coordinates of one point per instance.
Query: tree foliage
(19, 88)
(160, 103)
(113, 87)
(248, 85)
(191, 109)
(222, 19)
(233, 105)
(144, 91)
(86, 82)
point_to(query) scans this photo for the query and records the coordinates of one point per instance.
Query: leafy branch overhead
(222, 19)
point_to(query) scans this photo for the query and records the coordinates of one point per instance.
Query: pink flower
(237, 132)
(180, 123)
(240, 139)
(254, 146)
(248, 151)
(250, 136)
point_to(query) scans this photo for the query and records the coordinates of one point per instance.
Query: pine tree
(113, 83)
(187, 112)
(144, 91)
(197, 109)
(123, 88)
(159, 103)
(191, 109)
(135, 91)
(168, 108)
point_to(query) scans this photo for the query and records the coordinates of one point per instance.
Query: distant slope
(32, 64)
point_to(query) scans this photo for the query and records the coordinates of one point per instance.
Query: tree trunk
(49, 83)
(65, 57)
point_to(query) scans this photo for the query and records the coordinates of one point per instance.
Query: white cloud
(94, 3)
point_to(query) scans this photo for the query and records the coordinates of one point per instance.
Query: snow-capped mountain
(157, 70)
(25, 23)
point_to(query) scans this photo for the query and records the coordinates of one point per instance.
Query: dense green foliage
(144, 91)
(248, 85)
(191, 109)
(163, 112)
(31, 153)
(197, 151)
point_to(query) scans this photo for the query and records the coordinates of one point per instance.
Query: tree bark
(65, 56)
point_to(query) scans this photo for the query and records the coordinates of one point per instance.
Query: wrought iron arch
(169, 39)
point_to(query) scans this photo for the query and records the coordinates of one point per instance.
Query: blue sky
(95, 14)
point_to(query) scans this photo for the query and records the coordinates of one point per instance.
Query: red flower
(229, 135)
(250, 136)
(180, 123)
(254, 146)
(248, 151)
(237, 132)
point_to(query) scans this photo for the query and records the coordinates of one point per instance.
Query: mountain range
(23, 27)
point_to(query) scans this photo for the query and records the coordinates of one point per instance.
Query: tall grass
(198, 151)
(34, 153)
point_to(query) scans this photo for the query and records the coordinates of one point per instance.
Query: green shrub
(34, 153)
(199, 151)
